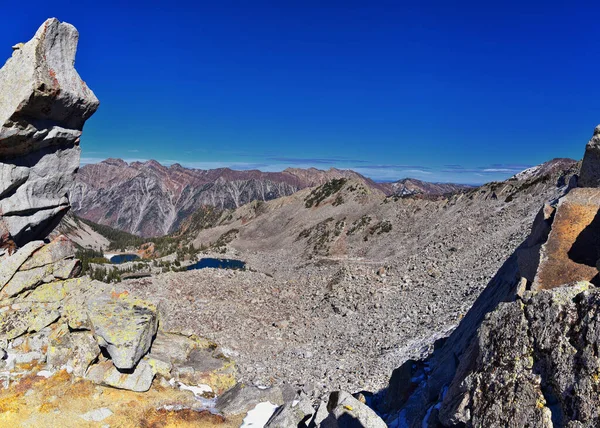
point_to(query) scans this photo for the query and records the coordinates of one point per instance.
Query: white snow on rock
(260, 415)
(45, 373)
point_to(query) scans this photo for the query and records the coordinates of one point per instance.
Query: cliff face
(43, 108)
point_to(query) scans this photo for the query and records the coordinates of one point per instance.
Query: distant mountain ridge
(150, 199)
(412, 186)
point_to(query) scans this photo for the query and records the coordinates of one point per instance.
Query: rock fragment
(347, 411)
(76, 350)
(105, 373)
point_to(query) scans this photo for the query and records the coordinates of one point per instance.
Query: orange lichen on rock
(571, 252)
(62, 400)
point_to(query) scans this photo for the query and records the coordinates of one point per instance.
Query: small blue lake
(122, 258)
(217, 264)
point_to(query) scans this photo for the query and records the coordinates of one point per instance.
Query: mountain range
(150, 199)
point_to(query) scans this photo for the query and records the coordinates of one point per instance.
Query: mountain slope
(315, 287)
(149, 199)
(358, 221)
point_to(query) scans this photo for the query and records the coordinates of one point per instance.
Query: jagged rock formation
(63, 338)
(590, 173)
(525, 354)
(43, 108)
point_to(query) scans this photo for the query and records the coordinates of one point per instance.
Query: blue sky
(442, 91)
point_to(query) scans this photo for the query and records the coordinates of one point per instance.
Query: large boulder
(124, 326)
(43, 108)
(345, 411)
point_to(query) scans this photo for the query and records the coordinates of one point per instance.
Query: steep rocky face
(43, 108)
(526, 352)
(149, 199)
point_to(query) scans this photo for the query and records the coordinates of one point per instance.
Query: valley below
(330, 299)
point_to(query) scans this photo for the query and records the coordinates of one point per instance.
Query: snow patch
(196, 390)
(260, 415)
(45, 373)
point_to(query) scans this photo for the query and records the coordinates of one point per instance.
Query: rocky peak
(590, 167)
(43, 108)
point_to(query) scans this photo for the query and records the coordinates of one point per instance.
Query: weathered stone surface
(296, 413)
(204, 367)
(58, 249)
(76, 350)
(30, 279)
(43, 108)
(19, 319)
(97, 415)
(347, 411)
(25, 280)
(573, 246)
(11, 265)
(171, 347)
(504, 388)
(535, 364)
(319, 416)
(590, 167)
(104, 373)
(78, 293)
(66, 269)
(125, 326)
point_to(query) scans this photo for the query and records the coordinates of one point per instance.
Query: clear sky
(437, 90)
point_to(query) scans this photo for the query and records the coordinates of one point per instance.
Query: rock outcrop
(43, 108)
(63, 335)
(526, 353)
(590, 173)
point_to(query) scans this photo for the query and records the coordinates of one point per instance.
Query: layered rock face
(43, 108)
